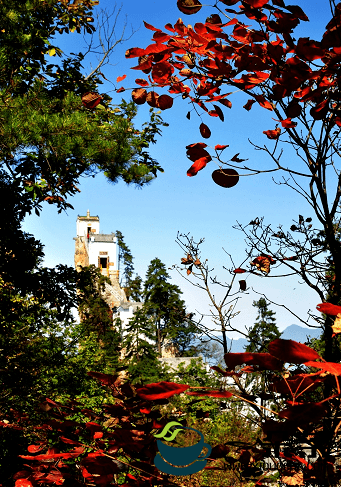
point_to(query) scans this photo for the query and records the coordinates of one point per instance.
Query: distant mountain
(300, 334)
(292, 332)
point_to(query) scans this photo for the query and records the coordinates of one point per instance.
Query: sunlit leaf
(90, 100)
(121, 78)
(291, 351)
(272, 134)
(139, 95)
(329, 309)
(198, 165)
(141, 82)
(134, 52)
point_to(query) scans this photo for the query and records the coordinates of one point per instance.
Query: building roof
(88, 218)
(102, 237)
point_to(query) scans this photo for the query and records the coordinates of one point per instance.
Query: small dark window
(103, 262)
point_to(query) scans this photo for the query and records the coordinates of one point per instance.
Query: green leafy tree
(163, 304)
(264, 330)
(55, 128)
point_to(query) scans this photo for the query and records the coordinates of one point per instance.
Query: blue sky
(150, 218)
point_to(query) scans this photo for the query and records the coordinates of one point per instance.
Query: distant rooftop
(88, 217)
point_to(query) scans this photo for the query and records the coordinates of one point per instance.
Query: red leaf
(331, 367)
(160, 390)
(272, 134)
(309, 49)
(329, 309)
(106, 379)
(141, 82)
(338, 121)
(120, 90)
(320, 110)
(145, 410)
(205, 131)
(198, 165)
(220, 147)
(189, 7)
(196, 151)
(150, 27)
(263, 102)
(152, 99)
(90, 100)
(121, 78)
(291, 351)
(134, 52)
(164, 102)
(220, 112)
(304, 414)
(210, 393)
(234, 359)
(288, 124)
(296, 384)
(256, 3)
(23, 483)
(35, 448)
(249, 104)
(161, 72)
(218, 369)
(224, 102)
(239, 271)
(139, 95)
(297, 11)
(265, 361)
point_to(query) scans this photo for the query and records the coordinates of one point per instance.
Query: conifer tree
(162, 303)
(140, 353)
(264, 330)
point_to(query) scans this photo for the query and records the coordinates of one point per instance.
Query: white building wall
(95, 248)
(83, 225)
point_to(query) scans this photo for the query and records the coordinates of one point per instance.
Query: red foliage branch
(265, 62)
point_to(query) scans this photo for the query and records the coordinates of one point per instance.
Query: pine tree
(264, 330)
(162, 303)
(140, 353)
